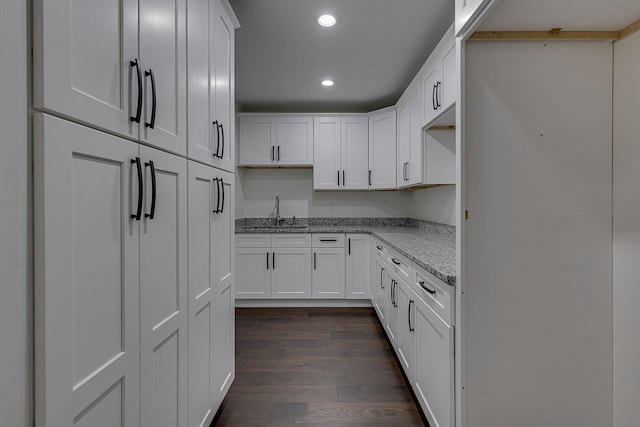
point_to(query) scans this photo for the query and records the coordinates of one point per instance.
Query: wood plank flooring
(316, 367)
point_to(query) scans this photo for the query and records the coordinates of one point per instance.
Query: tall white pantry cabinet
(133, 212)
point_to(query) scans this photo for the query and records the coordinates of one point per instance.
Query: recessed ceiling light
(327, 20)
(327, 83)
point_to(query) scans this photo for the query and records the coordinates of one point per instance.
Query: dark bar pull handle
(438, 104)
(217, 209)
(278, 151)
(344, 181)
(138, 213)
(395, 261)
(328, 240)
(379, 248)
(338, 178)
(273, 159)
(152, 123)
(314, 260)
(153, 190)
(381, 281)
(273, 261)
(411, 328)
(222, 151)
(349, 246)
(136, 118)
(222, 190)
(215, 123)
(422, 285)
(369, 176)
(433, 98)
(267, 260)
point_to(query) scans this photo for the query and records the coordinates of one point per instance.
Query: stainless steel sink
(279, 227)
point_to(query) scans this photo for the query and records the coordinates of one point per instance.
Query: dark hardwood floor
(316, 367)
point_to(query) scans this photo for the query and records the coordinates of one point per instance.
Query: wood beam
(630, 29)
(553, 34)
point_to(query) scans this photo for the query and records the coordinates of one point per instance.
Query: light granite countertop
(430, 245)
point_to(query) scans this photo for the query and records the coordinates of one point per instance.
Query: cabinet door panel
(429, 92)
(201, 293)
(433, 381)
(86, 276)
(406, 328)
(295, 141)
(163, 52)
(291, 274)
(382, 150)
(379, 291)
(326, 153)
(390, 285)
(163, 292)
(224, 334)
(253, 279)
(224, 99)
(224, 233)
(403, 143)
(328, 278)
(358, 266)
(414, 162)
(355, 153)
(448, 87)
(82, 51)
(257, 141)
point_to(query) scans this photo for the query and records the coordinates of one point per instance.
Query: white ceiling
(372, 54)
(570, 15)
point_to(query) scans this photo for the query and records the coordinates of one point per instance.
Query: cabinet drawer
(437, 294)
(253, 240)
(400, 264)
(291, 240)
(328, 240)
(379, 248)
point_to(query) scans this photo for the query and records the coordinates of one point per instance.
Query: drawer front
(379, 248)
(400, 264)
(437, 294)
(292, 240)
(253, 240)
(323, 240)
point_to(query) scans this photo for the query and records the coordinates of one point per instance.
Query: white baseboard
(283, 303)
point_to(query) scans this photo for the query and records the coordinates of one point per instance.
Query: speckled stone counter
(430, 245)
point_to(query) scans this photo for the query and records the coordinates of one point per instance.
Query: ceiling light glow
(327, 83)
(327, 20)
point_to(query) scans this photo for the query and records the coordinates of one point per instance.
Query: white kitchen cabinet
(378, 290)
(358, 271)
(211, 326)
(253, 273)
(410, 147)
(382, 150)
(391, 285)
(340, 159)
(434, 366)
(83, 62)
(466, 12)
(163, 289)
(87, 273)
(291, 273)
(406, 329)
(439, 79)
(210, 83)
(328, 275)
(276, 141)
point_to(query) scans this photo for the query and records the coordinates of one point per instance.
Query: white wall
(435, 204)
(626, 233)
(15, 302)
(538, 315)
(257, 189)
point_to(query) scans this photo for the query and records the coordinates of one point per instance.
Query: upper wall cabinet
(382, 150)
(410, 147)
(276, 141)
(119, 66)
(467, 11)
(210, 83)
(340, 153)
(438, 82)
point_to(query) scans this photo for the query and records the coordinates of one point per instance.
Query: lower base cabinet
(378, 291)
(328, 276)
(406, 329)
(291, 273)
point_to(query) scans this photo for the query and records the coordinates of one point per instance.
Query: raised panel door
(291, 273)
(253, 273)
(82, 56)
(257, 141)
(328, 277)
(326, 153)
(358, 261)
(163, 50)
(223, 108)
(295, 141)
(86, 281)
(382, 150)
(433, 380)
(201, 203)
(163, 291)
(355, 153)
